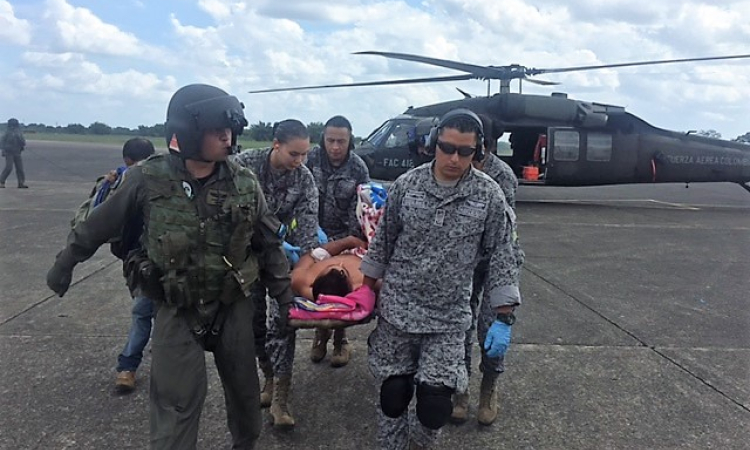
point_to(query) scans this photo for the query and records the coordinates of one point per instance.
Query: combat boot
(281, 414)
(318, 351)
(487, 412)
(341, 349)
(266, 395)
(460, 407)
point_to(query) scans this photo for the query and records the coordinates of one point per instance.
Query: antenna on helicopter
(464, 93)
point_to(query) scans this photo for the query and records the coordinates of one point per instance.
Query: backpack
(129, 238)
(101, 191)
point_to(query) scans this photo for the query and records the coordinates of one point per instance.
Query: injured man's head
(332, 282)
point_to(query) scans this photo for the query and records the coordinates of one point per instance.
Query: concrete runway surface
(634, 332)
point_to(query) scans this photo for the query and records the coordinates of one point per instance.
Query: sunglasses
(450, 149)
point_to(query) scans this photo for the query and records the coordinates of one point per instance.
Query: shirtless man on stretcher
(326, 270)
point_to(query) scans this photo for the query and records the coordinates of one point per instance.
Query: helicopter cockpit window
(566, 145)
(398, 136)
(599, 147)
(376, 136)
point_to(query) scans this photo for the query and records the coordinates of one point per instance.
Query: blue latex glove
(322, 238)
(291, 252)
(378, 195)
(498, 339)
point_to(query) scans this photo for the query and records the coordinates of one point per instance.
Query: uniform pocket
(175, 250)
(466, 237)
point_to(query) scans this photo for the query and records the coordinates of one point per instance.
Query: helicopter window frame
(564, 148)
(599, 147)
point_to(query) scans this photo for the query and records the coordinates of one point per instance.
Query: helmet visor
(219, 112)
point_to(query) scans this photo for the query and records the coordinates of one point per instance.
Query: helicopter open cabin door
(577, 156)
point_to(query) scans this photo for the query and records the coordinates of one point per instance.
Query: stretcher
(332, 311)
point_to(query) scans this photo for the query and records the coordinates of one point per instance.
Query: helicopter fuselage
(555, 140)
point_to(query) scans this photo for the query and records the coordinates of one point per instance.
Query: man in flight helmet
(207, 233)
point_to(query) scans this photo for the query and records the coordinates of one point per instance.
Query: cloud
(79, 58)
(72, 73)
(12, 29)
(77, 29)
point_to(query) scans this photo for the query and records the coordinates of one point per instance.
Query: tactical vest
(200, 260)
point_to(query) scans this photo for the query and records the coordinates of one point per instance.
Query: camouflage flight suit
(12, 144)
(483, 317)
(191, 229)
(338, 192)
(293, 198)
(425, 249)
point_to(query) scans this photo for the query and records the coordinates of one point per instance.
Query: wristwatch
(508, 319)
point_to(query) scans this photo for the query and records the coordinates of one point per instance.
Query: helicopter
(556, 140)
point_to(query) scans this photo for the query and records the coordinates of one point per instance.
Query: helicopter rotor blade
(370, 83)
(541, 82)
(505, 73)
(482, 72)
(533, 71)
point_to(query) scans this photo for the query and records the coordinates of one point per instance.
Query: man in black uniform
(207, 237)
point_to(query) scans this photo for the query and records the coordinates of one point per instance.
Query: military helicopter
(556, 140)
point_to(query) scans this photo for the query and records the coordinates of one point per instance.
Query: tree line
(261, 131)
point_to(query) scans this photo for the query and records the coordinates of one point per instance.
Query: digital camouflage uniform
(503, 175)
(192, 230)
(425, 249)
(12, 144)
(293, 198)
(483, 317)
(338, 192)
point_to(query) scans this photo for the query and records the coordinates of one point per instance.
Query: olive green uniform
(12, 144)
(193, 231)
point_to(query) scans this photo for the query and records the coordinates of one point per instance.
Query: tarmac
(634, 332)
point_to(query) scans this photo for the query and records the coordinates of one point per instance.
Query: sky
(119, 62)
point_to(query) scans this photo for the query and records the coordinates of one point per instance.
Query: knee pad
(395, 395)
(434, 405)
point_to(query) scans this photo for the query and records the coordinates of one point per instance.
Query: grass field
(119, 139)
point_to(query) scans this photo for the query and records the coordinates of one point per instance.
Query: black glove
(59, 277)
(282, 321)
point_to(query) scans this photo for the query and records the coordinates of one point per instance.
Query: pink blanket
(342, 308)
